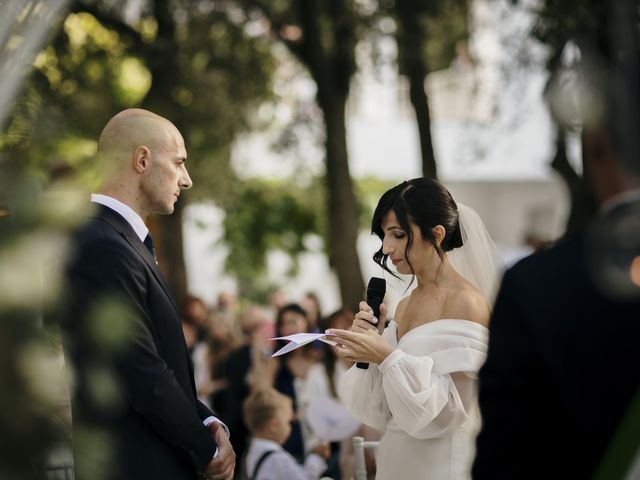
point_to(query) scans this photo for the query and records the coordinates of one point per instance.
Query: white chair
(358, 449)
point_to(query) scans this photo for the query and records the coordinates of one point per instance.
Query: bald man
(135, 410)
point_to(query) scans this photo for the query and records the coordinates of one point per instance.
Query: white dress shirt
(281, 464)
(125, 211)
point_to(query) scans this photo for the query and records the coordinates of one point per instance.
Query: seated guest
(268, 415)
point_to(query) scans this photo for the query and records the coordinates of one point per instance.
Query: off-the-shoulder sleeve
(432, 395)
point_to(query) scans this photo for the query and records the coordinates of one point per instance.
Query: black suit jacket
(135, 411)
(238, 367)
(561, 371)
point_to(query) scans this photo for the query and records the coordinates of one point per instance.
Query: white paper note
(298, 340)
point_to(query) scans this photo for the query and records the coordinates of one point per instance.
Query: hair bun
(455, 239)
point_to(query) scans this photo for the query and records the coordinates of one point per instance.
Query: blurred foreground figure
(135, 411)
(562, 369)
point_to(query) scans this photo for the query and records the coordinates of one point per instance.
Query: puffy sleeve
(426, 403)
(362, 393)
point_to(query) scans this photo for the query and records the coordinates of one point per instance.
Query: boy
(268, 416)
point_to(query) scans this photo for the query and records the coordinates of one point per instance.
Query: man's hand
(222, 466)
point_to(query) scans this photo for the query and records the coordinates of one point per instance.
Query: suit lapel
(126, 231)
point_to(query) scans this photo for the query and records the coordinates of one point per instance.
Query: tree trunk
(167, 236)
(420, 103)
(583, 204)
(413, 66)
(167, 229)
(342, 207)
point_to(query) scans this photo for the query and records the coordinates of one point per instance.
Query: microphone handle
(374, 303)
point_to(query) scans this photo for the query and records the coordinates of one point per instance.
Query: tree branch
(276, 26)
(108, 20)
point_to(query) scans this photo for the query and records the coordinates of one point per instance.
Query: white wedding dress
(424, 397)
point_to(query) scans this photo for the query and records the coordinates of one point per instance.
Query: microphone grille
(377, 284)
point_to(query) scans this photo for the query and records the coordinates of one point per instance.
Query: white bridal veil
(477, 260)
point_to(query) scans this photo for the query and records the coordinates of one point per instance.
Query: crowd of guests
(253, 392)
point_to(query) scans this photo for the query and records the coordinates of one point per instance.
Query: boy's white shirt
(281, 464)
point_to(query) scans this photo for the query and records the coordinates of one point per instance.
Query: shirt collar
(125, 212)
(264, 444)
(628, 196)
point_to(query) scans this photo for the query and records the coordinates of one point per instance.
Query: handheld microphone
(375, 294)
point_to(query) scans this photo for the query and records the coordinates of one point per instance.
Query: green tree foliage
(268, 215)
(191, 62)
(280, 215)
(322, 36)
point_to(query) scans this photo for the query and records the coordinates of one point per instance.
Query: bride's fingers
(344, 336)
(344, 352)
(361, 326)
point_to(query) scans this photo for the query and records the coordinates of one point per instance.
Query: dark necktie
(148, 242)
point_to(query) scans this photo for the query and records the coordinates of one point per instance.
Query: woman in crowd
(287, 373)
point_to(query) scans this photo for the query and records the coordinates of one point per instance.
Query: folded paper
(298, 340)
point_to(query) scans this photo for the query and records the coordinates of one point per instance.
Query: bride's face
(422, 255)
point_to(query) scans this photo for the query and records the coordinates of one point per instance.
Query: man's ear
(438, 234)
(272, 425)
(141, 156)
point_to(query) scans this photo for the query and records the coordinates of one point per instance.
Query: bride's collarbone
(419, 311)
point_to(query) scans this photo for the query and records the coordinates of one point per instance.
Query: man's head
(609, 98)
(145, 159)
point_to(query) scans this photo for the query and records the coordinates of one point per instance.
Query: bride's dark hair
(426, 203)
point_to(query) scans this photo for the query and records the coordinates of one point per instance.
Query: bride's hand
(365, 321)
(369, 347)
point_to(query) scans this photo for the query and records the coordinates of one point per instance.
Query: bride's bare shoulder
(469, 304)
(401, 307)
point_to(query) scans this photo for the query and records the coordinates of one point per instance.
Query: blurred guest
(226, 308)
(269, 414)
(227, 302)
(221, 343)
(561, 373)
(334, 367)
(311, 304)
(321, 381)
(194, 320)
(287, 372)
(277, 300)
(254, 323)
(195, 327)
(209, 362)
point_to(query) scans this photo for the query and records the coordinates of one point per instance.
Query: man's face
(167, 174)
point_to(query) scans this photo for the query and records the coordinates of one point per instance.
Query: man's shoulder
(97, 240)
(96, 231)
(561, 258)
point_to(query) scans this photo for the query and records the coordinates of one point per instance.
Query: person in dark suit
(135, 411)
(562, 367)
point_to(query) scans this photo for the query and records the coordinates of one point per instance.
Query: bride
(421, 386)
